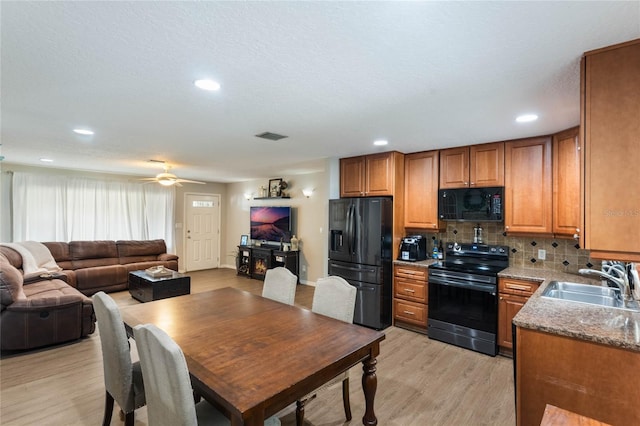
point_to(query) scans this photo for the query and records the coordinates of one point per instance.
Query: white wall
(311, 218)
(311, 214)
(5, 199)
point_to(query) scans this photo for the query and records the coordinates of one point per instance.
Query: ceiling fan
(169, 179)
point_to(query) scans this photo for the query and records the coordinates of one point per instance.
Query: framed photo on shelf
(274, 187)
(244, 240)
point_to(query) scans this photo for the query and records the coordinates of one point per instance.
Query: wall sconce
(307, 192)
(247, 196)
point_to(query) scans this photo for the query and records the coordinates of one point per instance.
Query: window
(63, 208)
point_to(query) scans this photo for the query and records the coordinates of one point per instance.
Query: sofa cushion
(12, 256)
(89, 254)
(101, 277)
(61, 253)
(10, 283)
(47, 294)
(140, 251)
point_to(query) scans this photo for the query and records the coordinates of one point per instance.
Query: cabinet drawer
(411, 290)
(411, 272)
(517, 287)
(411, 312)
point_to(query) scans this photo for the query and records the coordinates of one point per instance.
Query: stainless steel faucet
(621, 280)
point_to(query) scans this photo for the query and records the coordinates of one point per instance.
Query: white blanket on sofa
(36, 258)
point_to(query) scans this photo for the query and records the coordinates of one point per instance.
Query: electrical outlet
(304, 268)
(542, 254)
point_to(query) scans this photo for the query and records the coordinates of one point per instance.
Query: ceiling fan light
(167, 179)
(166, 182)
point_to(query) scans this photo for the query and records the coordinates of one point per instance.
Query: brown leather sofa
(42, 312)
(93, 266)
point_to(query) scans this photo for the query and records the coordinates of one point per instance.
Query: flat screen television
(270, 223)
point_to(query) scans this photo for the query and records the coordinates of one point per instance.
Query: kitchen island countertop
(607, 326)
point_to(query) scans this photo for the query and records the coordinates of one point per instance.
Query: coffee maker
(413, 248)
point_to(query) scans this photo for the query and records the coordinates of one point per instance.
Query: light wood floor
(420, 381)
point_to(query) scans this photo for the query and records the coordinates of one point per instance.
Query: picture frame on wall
(274, 187)
(244, 240)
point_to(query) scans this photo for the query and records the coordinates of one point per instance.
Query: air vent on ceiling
(157, 161)
(271, 136)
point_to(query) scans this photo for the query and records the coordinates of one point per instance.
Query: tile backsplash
(563, 255)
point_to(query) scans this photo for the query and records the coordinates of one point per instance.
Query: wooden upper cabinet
(454, 167)
(352, 176)
(566, 183)
(528, 190)
(369, 175)
(486, 165)
(611, 135)
(475, 166)
(379, 174)
(421, 190)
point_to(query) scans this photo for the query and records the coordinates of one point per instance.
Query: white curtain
(62, 208)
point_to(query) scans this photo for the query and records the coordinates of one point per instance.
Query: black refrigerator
(360, 246)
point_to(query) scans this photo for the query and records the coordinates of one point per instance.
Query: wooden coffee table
(145, 288)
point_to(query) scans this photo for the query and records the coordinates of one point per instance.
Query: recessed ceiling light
(46, 160)
(380, 142)
(207, 84)
(85, 132)
(525, 118)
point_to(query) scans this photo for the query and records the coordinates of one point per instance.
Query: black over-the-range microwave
(472, 204)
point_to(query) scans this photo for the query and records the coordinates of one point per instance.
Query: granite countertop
(608, 326)
(420, 264)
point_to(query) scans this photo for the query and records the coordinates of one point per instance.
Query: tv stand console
(254, 261)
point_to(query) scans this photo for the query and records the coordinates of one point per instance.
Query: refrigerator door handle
(348, 229)
(333, 265)
(363, 288)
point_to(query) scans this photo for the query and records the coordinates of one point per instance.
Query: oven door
(463, 310)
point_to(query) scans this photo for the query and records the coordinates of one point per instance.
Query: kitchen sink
(564, 286)
(593, 299)
(590, 294)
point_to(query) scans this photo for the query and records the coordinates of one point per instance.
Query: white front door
(202, 233)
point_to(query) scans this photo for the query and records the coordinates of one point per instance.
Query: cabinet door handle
(408, 290)
(408, 312)
(518, 287)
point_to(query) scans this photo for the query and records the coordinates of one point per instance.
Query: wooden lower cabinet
(586, 378)
(513, 294)
(414, 313)
(410, 297)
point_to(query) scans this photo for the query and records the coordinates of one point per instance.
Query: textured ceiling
(333, 76)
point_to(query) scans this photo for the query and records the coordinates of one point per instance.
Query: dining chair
(336, 298)
(122, 377)
(168, 385)
(280, 285)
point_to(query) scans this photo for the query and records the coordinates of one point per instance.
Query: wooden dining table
(251, 357)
